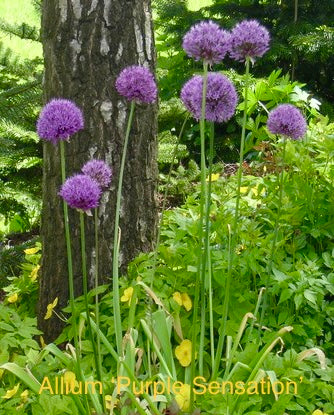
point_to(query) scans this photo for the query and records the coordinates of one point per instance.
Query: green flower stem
(85, 289)
(201, 262)
(115, 265)
(222, 334)
(97, 311)
(203, 209)
(207, 283)
(207, 243)
(269, 267)
(70, 273)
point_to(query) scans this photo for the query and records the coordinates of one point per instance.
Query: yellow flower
(10, 393)
(127, 295)
(41, 339)
(183, 397)
(183, 300)
(24, 395)
(34, 272)
(243, 189)
(31, 251)
(187, 304)
(50, 308)
(111, 402)
(13, 298)
(183, 353)
(214, 177)
(69, 378)
(239, 249)
(256, 192)
(318, 412)
(177, 298)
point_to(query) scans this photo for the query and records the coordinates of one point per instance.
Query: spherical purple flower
(207, 41)
(58, 120)
(287, 120)
(221, 97)
(99, 171)
(249, 39)
(136, 83)
(81, 192)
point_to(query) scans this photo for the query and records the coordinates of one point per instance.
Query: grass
(20, 11)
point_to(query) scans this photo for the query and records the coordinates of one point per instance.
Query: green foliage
(24, 287)
(20, 150)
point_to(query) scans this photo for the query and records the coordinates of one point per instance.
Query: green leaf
(285, 295)
(27, 378)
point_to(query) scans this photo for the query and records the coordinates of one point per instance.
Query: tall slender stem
(85, 289)
(207, 243)
(234, 232)
(115, 265)
(203, 207)
(269, 267)
(201, 260)
(70, 272)
(97, 311)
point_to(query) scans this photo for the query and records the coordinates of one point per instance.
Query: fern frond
(23, 31)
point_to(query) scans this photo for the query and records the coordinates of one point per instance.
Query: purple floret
(221, 97)
(136, 83)
(58, 120)
(207, 41)
(81, 192)
(249, 39)
(287, 120)
(99, 171)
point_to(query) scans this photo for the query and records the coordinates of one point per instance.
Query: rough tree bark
(86, 44)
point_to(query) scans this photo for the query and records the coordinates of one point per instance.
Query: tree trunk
(86, 44)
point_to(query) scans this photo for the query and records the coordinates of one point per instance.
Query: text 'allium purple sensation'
(99, 171)
(58, 120)
(136, 83)
(221, 97)
(249, 39)
(287, 120)
(207, 41)
(81, 192)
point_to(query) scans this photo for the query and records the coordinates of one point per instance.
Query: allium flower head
(99, 171)
(221, 97)
(249, 39)
(58, 120)
(81, 192)
(136, 83)
(287, 120)
(207, 41)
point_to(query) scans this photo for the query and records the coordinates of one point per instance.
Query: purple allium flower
(99, 171)
(249, 39)
(81, 192)
(287, 120)
(137, 83)
(221, 97)
(207, 41)
(58, 120)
